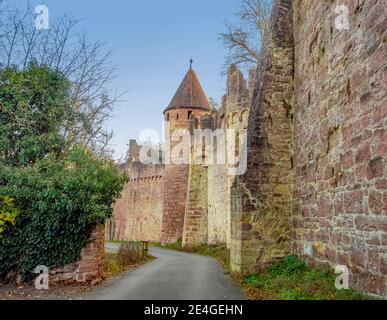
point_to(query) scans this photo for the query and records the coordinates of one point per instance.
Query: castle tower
(188, 103)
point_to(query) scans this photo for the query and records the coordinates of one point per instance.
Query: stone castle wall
(316, 180)
(340, 186)
(176, 175)
(137, 214)
(233, 114)
(207, 215)
(261, 199)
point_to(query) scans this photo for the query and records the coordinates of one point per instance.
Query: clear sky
(152, 42)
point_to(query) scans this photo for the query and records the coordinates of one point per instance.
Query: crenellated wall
(233, 114)
(137, 214)
(316, 182)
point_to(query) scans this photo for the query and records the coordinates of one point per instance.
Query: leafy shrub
(8, 213)
(287, 266)
(61, 201)
(34, 108)
(61, 192)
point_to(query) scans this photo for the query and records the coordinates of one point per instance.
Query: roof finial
(190, 63)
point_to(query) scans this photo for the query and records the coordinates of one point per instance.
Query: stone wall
(207, 216)
(176, 175)
(261, 199)
(340, 138)
(90, 267)
(233, 114)
(316, 180)
(137, 214)
(196, 219)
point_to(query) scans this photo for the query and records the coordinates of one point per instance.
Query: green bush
(60, 201)
(8, 213)
(34, 108)
(61, 193)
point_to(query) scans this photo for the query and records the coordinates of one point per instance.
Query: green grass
(114, 241)
(291, 279)
(219, 252)
(113, 267)
(173, 246)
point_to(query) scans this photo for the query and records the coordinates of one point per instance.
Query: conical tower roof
(189, 94)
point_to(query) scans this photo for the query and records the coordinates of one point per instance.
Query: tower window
(167, 116)
(189, 114)
(177, 116)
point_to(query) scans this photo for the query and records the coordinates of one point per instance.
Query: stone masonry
(137, 214)
(340, 186)
(90, 267)
(315, 111)
(261, 199)
(316, 179)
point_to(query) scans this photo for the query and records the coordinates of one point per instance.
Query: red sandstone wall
(340, 135)
(137, 214)
(261, 199)
(232, 115)
(145, 210)
(176, 179)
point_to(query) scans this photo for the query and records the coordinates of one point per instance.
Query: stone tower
(188, 103)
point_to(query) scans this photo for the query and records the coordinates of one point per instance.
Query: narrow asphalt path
(172, 276)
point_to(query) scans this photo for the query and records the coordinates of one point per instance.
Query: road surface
(172, 276)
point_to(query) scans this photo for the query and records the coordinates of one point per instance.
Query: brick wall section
(261, 199)
(176, 176)
(195, 221)
(218, 205)
(137, 214)
(90, 267)
(233, 114)
(340, 137)
(207, 218)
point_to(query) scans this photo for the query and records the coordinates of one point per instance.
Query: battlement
(315, 185)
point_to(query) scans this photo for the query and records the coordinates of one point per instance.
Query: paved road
(172, 276)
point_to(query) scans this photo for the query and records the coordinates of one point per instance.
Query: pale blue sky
(152, 42)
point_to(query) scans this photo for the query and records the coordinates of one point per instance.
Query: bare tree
(85, 63)
(244, 39)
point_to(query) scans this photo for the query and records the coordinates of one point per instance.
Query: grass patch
(113, 267)
(219, 252)
(114, 241)
(173, 246)
(292, 279)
